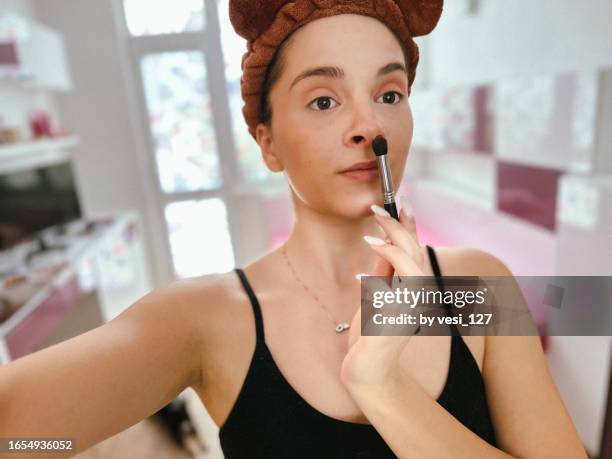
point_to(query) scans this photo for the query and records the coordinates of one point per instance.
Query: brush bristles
(379, 145)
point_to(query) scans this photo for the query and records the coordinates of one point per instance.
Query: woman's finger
(382, 267)
(393, 229)
(401, 234)
(406, 218)
(382, 271)
(404, 265)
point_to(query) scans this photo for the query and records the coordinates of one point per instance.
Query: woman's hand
(374, 360)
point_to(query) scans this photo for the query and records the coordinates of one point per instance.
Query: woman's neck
(331, 249)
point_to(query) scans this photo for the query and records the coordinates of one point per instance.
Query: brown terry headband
(266, 23)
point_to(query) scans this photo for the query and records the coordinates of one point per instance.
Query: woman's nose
(365, 126)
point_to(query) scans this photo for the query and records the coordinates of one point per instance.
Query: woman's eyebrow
(337, 72)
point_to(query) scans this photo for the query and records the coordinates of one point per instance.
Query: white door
(185, 65)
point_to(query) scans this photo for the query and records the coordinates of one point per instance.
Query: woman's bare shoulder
(202, 307)
(467, 261)
(212, 308)
(217, 285)
(210, 296)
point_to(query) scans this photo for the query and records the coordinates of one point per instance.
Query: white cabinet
(32, 54)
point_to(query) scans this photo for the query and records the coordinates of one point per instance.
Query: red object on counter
(40, 124)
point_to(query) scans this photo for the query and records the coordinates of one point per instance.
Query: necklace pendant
(341, 327)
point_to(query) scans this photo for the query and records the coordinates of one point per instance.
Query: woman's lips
(362, 174)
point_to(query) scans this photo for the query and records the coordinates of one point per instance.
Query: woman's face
(324, 123)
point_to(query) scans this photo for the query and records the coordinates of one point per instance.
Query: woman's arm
(415, 425)
(99, 383)
(528, 414)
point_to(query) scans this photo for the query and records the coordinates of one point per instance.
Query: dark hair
(276, 68)
(273, 73)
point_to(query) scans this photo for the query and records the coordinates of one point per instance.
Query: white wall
(23, 7)
(97, 109)
(519, 38)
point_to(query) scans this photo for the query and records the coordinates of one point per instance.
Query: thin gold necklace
(339, 326)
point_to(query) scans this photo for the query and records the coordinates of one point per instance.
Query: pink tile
(528, 192)
(8, 54)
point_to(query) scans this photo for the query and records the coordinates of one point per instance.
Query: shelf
(34, 56)
(39, 153)
(106, 264)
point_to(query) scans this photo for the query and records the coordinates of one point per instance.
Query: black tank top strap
(435, 267)
(433, 260)
(259, 328)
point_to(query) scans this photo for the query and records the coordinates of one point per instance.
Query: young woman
(259, 345)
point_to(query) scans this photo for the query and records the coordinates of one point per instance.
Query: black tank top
(271, 420)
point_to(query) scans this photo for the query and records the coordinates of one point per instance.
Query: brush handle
(392, 210)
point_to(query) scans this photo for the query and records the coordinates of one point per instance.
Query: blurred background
(122, 147)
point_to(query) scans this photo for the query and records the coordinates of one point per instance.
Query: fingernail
(360, 275)
(406, 207)
(374, 240)
(379, 211)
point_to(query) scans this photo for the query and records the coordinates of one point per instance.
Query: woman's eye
(321, 103)
(324, 103)
(387, 99)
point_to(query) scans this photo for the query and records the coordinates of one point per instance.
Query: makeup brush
(379, 145)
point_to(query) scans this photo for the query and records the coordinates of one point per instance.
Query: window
(146, 17)
(199, 235)
(248, 152)
(181, 122)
